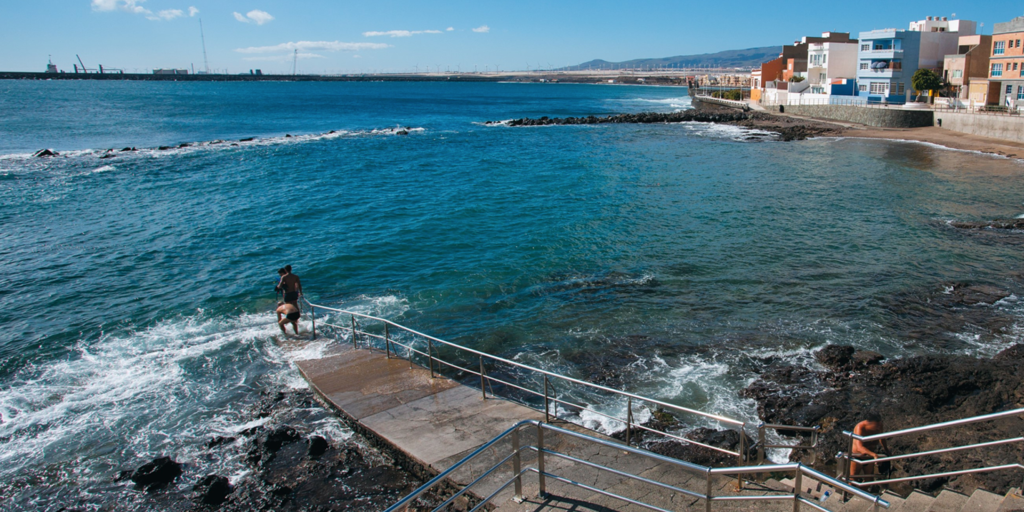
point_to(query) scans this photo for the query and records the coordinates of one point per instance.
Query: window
(865, 47)
(1015, 66)
(999, 48)
(863, 88)
(864, 65)
(879, 87)
(899, 89)
(1018, 43)
(958, 73)
(997, 70)
(1009, 90)
(822, 77)
(1020, 92)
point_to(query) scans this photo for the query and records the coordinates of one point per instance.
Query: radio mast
(206, 64)
(295, 62)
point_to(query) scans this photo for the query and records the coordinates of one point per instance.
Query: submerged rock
(212, 490)
(995, 224)
(45, 153)
(159, 472)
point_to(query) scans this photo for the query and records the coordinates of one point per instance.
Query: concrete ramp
(434, 421)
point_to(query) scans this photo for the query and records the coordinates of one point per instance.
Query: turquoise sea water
(136, 291)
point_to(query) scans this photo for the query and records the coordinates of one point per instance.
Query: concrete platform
(434, 421)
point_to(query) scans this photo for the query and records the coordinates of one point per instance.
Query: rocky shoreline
(287, 467)
(787, 128)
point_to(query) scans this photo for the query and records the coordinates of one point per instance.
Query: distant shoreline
(554, 77)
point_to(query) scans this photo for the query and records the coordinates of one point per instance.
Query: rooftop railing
(517, 470)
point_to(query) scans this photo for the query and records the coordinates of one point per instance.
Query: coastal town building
(1006, 63)
(832, 68)
(791, 64)
(968, 64)
(888, 58)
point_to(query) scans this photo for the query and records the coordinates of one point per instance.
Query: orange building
(1006, 64)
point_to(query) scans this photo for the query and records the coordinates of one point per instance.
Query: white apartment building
(828, 62)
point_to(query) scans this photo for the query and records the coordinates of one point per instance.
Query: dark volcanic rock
(787, 128)
(317, 446)
(995, 224)
(724, 439)
(907, 392)
(159, 472)
(835, 356)
(44, 153)
(212, 490)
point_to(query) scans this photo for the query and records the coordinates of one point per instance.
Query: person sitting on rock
(867, 450)
(291, 315)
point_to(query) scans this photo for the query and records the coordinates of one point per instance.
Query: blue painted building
(887, 59)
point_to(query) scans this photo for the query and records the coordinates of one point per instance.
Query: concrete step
(917, 502)
(983, 501)
(948, 501)
(1012, 501)
(895, 500)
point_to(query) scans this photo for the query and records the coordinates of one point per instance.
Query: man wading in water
(291, 315)
(291, 286)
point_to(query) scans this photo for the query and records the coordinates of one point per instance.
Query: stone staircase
(946, 501)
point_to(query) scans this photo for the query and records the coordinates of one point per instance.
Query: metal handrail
(799, 471)
(847, 458)
(432, 357)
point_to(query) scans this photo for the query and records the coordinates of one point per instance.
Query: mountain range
(746, 59)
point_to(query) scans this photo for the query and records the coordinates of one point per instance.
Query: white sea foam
(145, 392)
(105, 168)
(218, 145)
(727, 131)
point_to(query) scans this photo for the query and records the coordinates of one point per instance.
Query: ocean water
(136, 293)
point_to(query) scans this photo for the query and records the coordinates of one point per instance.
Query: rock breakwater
(787, 128)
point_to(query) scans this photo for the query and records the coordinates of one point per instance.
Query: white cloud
(104, 5)
(483, 29)
(257, 16)
(400, 33)
(168, 14)
(449, 29)
(192, 11)
(305, 46)
(283, 58)
(134, 7)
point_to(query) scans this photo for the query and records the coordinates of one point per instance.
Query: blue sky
(404, 35)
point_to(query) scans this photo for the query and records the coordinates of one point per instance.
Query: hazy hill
(749, 58)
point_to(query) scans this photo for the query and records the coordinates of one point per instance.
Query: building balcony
(886, 53)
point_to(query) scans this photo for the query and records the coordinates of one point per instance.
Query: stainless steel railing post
(742, 456)
(354, 332)
(547, 418)
(430, 357)
(540, 460)
(760, 444)
(387, 341)
(482, 388)
(312, 315)
(849, 459)
(629, 418)
(798, 482)
(516, 470)
(814, 444)
(708, 493)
